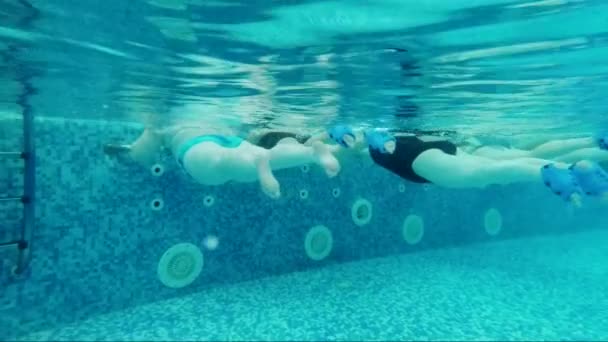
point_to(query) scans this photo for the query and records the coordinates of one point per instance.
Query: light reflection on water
(477, 67)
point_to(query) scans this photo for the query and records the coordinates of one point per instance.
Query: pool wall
(97, 242)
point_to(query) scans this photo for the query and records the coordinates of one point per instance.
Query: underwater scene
(303, 170)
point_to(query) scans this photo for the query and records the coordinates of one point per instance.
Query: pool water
(543, 288)
(413, 262)
(453, 65)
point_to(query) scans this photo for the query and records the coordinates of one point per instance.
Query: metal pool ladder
(23, 242)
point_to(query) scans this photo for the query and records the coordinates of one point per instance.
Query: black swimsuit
(270, 139)
(407, 149)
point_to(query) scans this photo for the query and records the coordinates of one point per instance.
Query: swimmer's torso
(407, 149)
(215, 160)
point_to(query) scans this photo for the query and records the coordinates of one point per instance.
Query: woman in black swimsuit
(407, 149)
(424, 158)
(428, 159)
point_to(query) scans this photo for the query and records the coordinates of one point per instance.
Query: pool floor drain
(361, 212)
(492, 222)
(180, 265)
(413, 229)
(318, 243)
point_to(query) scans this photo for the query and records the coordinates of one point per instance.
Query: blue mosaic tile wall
(97, 242)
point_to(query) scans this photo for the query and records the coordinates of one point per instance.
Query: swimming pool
(113, 251)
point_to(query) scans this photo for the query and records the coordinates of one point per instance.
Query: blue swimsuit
(221, 140)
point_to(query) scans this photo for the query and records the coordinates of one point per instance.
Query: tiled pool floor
(543, 288)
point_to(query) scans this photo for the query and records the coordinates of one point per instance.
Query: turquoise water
(510, 72)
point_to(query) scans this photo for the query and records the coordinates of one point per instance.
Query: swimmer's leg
(591, 153)
(270, 185)
(573, 151)
(145, 150)
(568, 151)
(552, 149)
(469, 171)
(499, 153)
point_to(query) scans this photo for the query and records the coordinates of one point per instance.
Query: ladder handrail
(12, 198)
(27, 199)
(12, 153)
(29, 191)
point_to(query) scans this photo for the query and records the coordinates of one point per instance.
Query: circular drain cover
(413, 229)
(361, 212)
(492, 221)
(180, 265)
(318, 243)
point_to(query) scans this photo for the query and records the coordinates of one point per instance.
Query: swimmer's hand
(343, 135)
(382, 142)
(270, 185)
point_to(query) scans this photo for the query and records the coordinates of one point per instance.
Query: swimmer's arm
(360, 142)
(114, 149)
(348, 153)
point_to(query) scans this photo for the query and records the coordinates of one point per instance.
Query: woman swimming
(429, 159)
(214, 159)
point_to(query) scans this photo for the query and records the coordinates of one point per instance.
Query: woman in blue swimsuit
(214, 159)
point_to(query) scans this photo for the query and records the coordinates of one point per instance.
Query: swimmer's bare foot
(326, 159)
(145, 150)
(270, 185)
